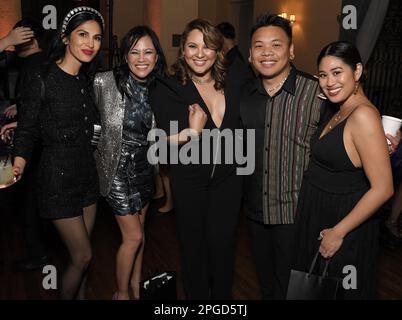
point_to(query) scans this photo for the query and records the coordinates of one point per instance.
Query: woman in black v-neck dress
(207, 196)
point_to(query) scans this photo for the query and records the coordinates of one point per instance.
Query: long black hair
(345, 51)
(122, 71)
(57, 48)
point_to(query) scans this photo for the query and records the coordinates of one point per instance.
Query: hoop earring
(321, 95)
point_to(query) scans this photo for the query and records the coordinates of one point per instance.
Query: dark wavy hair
(122, 71)
(214, 40)
(345, 51)
(57, 48)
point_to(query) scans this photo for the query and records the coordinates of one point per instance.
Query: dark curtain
(362, 7)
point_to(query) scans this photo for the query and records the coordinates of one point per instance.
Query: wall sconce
(292, 17)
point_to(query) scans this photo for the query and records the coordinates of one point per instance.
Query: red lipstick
(88, 52)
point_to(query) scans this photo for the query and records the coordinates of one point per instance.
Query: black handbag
(309, 286)
(159, 287)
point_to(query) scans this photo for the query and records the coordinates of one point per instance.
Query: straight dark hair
(57, 48)
(268, 19)
(122, 71)
(345, 51)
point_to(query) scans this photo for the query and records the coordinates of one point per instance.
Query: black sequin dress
(63, 121)
(133, 185)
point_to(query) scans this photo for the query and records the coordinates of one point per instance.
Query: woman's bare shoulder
(364, 113)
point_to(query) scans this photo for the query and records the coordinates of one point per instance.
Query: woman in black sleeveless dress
(348, 178)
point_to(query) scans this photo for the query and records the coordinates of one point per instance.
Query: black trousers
(207, 216)
(273, 247)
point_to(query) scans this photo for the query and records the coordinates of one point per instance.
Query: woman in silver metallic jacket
(126, 177)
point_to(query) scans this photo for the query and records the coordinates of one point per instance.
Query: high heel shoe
(163, 213)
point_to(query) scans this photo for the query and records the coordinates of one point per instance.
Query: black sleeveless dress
(331, 188)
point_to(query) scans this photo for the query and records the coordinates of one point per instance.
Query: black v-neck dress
(332, 186)
(207, 197)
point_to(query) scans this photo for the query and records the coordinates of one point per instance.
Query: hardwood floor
(161, 254)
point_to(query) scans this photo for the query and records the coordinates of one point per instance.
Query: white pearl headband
(79, 10)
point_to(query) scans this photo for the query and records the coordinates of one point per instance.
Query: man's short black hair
(274, 20)
(227, 30)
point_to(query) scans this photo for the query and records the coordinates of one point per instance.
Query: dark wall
(362, 7)
(33, 9)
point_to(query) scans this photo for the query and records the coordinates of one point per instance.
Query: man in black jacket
(231, 50)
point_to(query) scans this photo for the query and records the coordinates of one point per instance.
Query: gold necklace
(279, 85)
(202, 82)
(336, 119)
(339, 117)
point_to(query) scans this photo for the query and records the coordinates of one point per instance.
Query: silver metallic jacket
(110, 104)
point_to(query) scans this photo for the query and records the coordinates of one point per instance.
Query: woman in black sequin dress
(126, 176)
(57, 109)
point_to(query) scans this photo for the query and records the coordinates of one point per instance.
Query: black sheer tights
(75, 233)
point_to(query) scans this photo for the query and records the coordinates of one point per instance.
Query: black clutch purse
(309, 286)
(159, 287)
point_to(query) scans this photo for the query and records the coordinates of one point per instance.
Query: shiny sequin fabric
(63, 120)
(126, 177)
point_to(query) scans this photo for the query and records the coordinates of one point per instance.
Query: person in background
(393, 222)
(30, 56)
(15, 37)
(163, 178)
(18, 36)
(230, 48)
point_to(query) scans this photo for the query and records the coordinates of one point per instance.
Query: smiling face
(142, 58)
(338, 79)
(270, 52)
(199, 58)
(84, 42)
